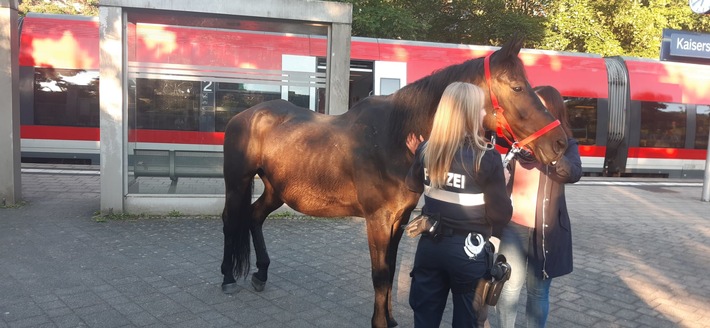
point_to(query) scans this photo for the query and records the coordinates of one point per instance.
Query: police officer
(462, 179)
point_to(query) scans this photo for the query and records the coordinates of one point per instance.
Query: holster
(421, 224)
(490, 286)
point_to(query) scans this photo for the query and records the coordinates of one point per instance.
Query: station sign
(684, 46)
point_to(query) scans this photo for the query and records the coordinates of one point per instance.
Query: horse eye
(517, 89)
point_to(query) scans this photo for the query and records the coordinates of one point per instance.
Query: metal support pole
(706, 180)
(10, 177)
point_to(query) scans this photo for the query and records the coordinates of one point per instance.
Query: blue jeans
(515, 243)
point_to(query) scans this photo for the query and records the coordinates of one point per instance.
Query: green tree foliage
(452, 21)
(613, 27)
(574, 25)
(386, 19)
(71, 7)
(616, 27)
(480, 22)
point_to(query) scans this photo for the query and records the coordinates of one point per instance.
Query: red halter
(502, 123)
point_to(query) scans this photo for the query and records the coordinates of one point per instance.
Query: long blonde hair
(457, 119)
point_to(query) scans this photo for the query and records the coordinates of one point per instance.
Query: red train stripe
(674, 153)
(180, 137)
(59, 133)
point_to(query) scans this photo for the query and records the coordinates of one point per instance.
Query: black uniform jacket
(471, 201)
(552, 243)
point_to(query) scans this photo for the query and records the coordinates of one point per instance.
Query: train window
(167, 104)
(583, 119)
(662, 124)
(66, 97)
(388, 86)
(702, 125)
(233, 98)
(299, 96)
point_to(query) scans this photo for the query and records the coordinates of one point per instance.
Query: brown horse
(354, 164)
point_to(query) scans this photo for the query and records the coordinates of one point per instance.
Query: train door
(617, 142)
(360, 85)
(361, 80)
(368, 78)
(389, 77)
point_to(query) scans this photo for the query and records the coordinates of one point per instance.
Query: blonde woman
(462, 179)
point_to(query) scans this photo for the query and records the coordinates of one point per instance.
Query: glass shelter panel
(65, 97)
(186, 82)
(233, 98)
(167, 105)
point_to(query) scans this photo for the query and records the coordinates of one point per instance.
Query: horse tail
(236, 218)
(242, 245)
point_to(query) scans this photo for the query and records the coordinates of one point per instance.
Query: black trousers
(441, 266)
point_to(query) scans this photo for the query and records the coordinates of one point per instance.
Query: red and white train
(631, 116)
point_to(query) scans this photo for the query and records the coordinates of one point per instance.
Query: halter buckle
(514, 149)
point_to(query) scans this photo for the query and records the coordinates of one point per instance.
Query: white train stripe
(646, 183)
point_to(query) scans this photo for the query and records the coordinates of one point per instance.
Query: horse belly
(317, 199)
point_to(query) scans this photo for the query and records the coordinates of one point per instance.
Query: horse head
(514, 110)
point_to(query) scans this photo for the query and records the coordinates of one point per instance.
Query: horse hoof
(392, 323)
(257, 283)
(229, 288)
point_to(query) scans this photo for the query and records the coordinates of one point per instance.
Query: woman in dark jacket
(538, 241)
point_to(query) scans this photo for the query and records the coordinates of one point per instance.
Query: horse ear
(512, 47)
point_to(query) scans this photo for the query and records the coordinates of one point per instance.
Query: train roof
(61, 16)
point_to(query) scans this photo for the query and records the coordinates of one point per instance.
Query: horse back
(365, 125)
(322, 165)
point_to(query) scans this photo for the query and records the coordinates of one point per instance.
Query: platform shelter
(173, 72)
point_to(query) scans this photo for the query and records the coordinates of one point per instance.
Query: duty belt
(448, 231)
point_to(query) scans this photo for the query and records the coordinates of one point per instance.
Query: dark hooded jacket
(552, 236)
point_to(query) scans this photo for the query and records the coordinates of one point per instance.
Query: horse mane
(416, 103)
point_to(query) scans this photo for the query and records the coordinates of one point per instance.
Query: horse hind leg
(266, 204)
(235, 218)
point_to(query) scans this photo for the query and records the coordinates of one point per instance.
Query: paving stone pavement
(642, 257)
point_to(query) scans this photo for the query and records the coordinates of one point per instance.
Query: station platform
(641, 252)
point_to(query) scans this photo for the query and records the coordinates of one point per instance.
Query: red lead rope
(502, 123)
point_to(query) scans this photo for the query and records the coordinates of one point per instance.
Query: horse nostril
(560, 146)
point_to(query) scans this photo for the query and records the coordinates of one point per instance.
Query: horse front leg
(383, 239)
(266, 204)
